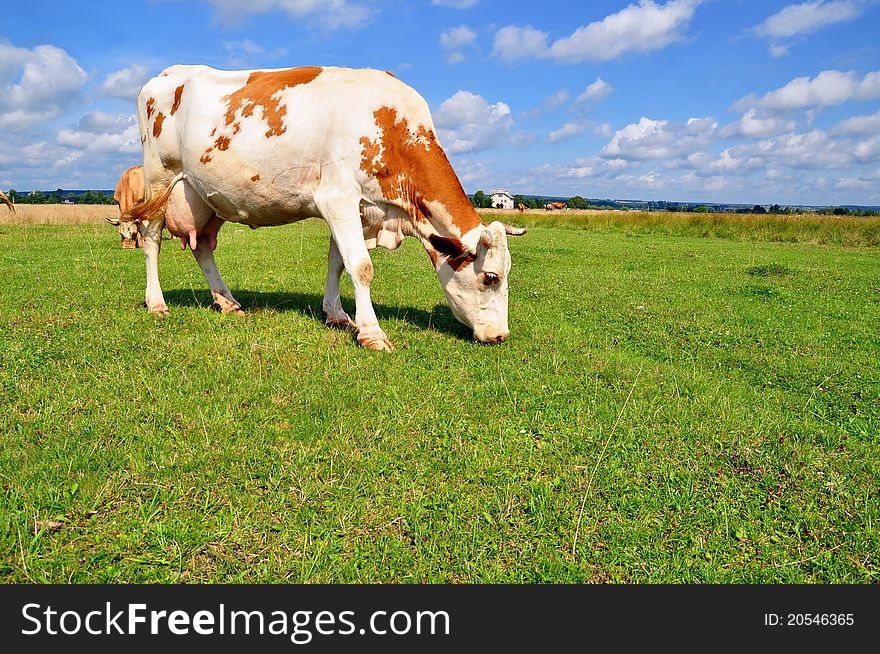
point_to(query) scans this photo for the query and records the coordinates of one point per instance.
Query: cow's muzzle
(490, 337)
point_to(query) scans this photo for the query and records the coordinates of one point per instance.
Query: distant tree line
(60, 196)
(481, 200)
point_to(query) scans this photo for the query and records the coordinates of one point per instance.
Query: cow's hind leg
(206, 243)
(332, 305)
(189, 218)
(343, 216)
(151, 232)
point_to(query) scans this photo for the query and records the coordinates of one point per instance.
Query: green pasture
(670, 408)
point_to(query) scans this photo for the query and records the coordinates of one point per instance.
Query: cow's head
(476, 282)
(128, 231)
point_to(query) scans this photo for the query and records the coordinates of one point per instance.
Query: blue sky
(715, 100)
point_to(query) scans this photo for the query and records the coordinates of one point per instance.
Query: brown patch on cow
(420, 203)
(433, 254)
(157, 126)
(236, 128)
(206, 157)
(388, 72)
(213, 131)
(143, 140)
(150, 103)
(457, 263)
(457, 253)
(413, 168)
(255, 178)
(365, 273)
(222, 142)
(261, 90)
(177, 93)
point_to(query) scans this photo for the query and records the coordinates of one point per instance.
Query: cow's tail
(5, 200)
(154, 207)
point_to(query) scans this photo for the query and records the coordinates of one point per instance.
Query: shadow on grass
(309, 304)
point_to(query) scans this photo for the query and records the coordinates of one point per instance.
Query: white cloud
(828, 88)
(751, 125)
(870, 181)
(325, 14)
(603, 130)
(660, 139)
(467, 122)
(859, 125)
(36, 85)
(595, 92)
(512, 43)
(469, 171)
(565, 132)
(584, 168)
(867, 151)
(808, 17)
(728, 162)
(102, 132)
(777, 51)
(242, 53)
(125, 83)
(550, 103)
(457, 37)
(811, 149)
(639, 28)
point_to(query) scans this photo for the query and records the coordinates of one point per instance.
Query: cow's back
(257, 145)
(130, 188)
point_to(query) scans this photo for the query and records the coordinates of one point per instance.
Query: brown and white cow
(5, 199)
(355, 147)
(129, 191)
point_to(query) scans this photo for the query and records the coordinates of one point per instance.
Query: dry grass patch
(59, 214)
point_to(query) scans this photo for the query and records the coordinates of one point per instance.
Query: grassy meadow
(676, 404)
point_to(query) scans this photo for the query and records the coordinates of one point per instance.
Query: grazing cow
(7, 201)
(354, 147)
(521, 207)
(129, 191)
(551, 206)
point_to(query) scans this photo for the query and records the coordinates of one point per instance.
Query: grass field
(670, 408)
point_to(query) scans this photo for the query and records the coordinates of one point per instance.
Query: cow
(521, 207)
(355, 147)
(552, 206)
(5, 199)
(129, 191)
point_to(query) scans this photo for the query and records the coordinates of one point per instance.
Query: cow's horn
(515, 231)
(112, 221)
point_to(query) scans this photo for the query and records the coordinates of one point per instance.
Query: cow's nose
(500, 338)
(492, 338)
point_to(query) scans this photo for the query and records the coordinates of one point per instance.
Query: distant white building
(501, 199)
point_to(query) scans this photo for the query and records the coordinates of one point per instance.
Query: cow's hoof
(381, 344)
(228, 307)
(160, 310)
(345, 324)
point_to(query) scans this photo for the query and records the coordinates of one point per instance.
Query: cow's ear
(451, 247)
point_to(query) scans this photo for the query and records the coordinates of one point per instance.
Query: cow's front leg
(332, 305)
(151, 233)
(347, 232)
(206, 242)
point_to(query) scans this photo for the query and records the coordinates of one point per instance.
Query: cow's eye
(490, 279)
